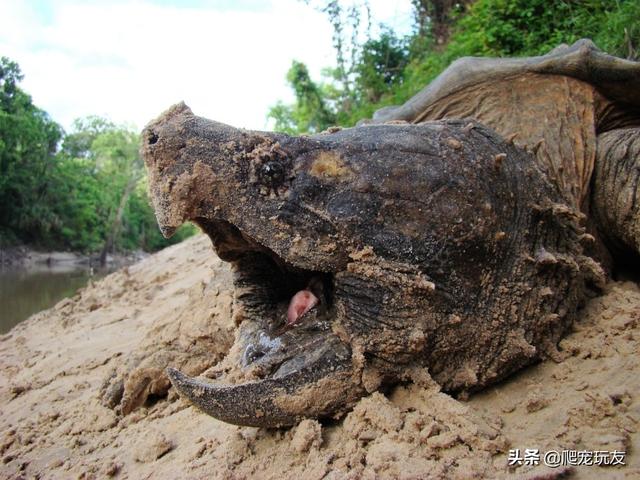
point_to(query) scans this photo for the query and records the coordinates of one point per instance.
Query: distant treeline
(84, 190)
(373, 72)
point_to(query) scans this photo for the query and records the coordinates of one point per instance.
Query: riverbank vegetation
(373, 72)
(84, 190)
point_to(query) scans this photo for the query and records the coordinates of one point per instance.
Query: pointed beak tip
(177, 378)
(167, 231)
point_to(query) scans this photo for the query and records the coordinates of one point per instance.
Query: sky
(130, 60)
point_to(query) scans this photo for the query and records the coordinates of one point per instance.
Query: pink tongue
(301, 303)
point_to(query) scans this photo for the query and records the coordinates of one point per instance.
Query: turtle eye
(272, 173)
(272, 170)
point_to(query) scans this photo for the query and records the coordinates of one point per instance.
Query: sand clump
(64, 369)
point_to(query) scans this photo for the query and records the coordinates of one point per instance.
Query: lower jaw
(319, 382)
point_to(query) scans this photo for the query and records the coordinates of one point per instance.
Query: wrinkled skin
(441, 245)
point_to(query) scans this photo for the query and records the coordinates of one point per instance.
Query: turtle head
(258, 196)
(244, 187)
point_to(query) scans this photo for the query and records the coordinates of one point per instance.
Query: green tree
(89, 195)
(85, 130)
(111, 200)
(310, 112)
(77, 199)
(380, 65)
(523, 28)
(28, 144)
(116, 155)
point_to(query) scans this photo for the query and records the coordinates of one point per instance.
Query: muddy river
(25, 292)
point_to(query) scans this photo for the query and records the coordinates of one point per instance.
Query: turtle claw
(317, 390)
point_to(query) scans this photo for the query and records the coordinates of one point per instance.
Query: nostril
(153, 138)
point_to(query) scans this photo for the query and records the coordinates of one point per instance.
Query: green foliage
(28, 141)
(310, 112)
(380, 65)
(388, 70)
(85, 130)
(106, 204)
(78, 205)
(619, 30)
(533, 27)
(378, 70)
(89, 195)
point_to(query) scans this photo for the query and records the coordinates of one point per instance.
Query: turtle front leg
(616, 190)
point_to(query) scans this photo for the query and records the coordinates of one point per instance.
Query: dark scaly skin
(440, 245)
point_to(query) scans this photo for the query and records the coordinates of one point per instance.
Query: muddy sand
(57, 365)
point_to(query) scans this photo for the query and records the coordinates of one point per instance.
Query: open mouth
(286, 352)
(287, 314)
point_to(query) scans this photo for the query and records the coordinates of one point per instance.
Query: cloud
(131, 60)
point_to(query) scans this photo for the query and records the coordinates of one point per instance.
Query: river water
(25, 292)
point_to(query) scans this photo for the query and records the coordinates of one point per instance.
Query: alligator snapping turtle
(365, 254)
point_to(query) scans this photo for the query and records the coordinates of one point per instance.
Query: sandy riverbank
(55, 366)
(29, 259)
